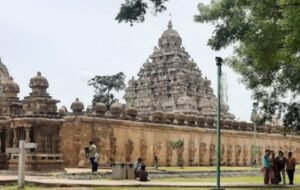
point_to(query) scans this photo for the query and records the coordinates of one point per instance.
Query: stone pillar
(7, 135)
(27, 134)
(1, 144)
(15, 139)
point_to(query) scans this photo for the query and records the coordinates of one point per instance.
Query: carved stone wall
(125, 141)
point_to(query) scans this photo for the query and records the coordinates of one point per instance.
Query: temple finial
(170, 25)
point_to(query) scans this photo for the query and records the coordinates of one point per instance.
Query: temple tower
(171, 81)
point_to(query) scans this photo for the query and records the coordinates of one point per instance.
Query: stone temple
(170, 81)
(169, 102)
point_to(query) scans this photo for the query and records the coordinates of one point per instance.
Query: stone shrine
(170, 81)
(34, 119)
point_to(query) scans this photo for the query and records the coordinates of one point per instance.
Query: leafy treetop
(103, 88)
(267, 37)
(135, 10)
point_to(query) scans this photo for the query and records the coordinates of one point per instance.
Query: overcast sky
(70, 41)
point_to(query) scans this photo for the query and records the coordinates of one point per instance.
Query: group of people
(274, 167)
(139, 167)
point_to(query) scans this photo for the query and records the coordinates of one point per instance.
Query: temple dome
(170, 31)
(170, 38)
(77, 106)
(39, 85)
(39, 82)
(100, 108)
(4, 75)
(10, 88)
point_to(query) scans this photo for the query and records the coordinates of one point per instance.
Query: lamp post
(253, 118)
(219, 61)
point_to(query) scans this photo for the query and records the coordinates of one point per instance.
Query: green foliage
(267, 37)
(103, 88)
(135, 10)
(177, 144)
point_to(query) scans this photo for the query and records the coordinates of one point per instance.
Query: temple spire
(170, 25)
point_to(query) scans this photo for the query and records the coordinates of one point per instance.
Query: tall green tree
(103, 87)
(266, 35)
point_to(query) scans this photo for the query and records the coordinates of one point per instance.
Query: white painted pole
(21, 165)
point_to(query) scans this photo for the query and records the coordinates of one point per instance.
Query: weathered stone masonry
(125, 141)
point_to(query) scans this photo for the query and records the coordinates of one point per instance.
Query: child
(96, 161)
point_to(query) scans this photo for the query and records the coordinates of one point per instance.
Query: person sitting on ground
(143, 174)
(137, 167)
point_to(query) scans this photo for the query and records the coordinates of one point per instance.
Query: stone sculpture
(143, 149)
(169, 153)
(212, 154)
(238, 151)
(202, 152)
(192, 151)
(229, 155)
(245, 155)
(129, 149)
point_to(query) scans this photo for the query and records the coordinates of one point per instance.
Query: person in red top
(290, 167)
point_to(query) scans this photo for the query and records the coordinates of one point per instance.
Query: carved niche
(260, 153)
(143, 149)
(102, 138)
(129, 150)
(113, 148)
(245, 155)
(169, 153)
(229, 155)
(222, 154)
(156, 148)
(202, 152)
(192, 151)
(238, 151)
(286, 150)
(212, 154)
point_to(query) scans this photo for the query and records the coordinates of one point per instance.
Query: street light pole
(254, 116)
(219, 61)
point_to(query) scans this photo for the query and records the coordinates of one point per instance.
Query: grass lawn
(204, 168)
(128, 188)
(247, 179)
